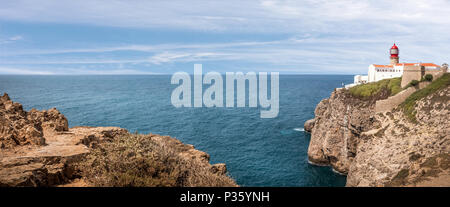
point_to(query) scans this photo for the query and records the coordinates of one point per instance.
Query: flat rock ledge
(38, 149)
(53, 163)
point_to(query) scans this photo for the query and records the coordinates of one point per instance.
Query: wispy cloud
(10, 39)
(185, 57)
(21, 71)
(321, 54)
(145, 48)
(266, 15)
(315, 36)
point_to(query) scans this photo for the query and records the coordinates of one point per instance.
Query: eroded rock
(219, 168)
(309, 125)
(15, 127)
(384, 149)
(338, 122)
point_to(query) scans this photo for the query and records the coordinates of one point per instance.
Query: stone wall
(435, 73)
(393, 101)
(412, 72)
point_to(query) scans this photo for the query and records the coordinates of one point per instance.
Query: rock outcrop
(339, 121)
(383, 149)
(309, 125)
(38, 148)
(19, 127)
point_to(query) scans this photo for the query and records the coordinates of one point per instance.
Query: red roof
(429, 64)
(422, 64)
(383, 66)
(406, 64)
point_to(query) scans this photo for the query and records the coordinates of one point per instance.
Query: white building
(361, 79)
(393, 70)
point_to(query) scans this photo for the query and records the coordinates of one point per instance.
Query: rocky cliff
(338, 123)
(18, 127)
(38, 149)
(383, 149)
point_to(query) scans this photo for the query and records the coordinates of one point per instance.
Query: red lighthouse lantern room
(394, 51)
(394, 54)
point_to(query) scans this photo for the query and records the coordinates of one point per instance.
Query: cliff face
(38, 149)
(384, 149)
(339, 121)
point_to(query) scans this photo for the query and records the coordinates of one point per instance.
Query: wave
(299, 129)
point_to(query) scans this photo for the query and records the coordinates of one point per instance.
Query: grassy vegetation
(365, 91)
(408, 106)
(138, 160)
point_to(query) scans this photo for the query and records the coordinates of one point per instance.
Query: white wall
(384, 73)
(371, 73)
(357, 79)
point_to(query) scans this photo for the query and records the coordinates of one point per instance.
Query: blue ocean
(258, 152)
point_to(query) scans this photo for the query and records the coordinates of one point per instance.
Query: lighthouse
(395, 69)
(394, 54)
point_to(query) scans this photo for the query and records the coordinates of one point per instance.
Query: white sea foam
(317, 164)
(299, 129)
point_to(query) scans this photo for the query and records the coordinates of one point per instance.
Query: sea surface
(258, 152)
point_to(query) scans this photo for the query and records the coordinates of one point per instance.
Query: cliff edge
(38, 149)
(401, 147)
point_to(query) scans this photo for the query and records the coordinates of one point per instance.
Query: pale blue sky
(162, 37)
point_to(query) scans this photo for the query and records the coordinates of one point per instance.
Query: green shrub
(408, 106)
(428, 77)
(371, 89)
(412, 83)
(140, 160)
